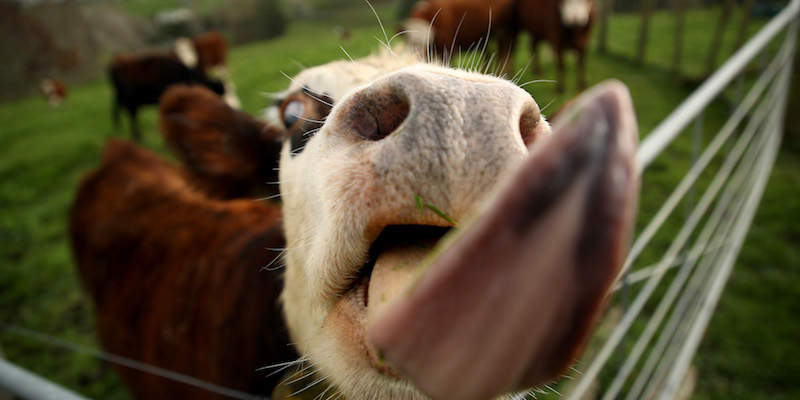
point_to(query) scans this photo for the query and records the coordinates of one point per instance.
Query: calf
(54, 90)
(178, 280)
(174, 266)
(565, 24)
(442, 243)
(443, 27)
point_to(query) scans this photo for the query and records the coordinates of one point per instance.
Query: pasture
(750, 350)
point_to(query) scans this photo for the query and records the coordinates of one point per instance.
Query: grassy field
(750, 350)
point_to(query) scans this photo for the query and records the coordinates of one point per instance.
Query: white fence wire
(669, 327)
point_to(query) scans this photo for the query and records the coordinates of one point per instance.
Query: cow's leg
(537, 66)
(581, 54)
(115, 113)
(558, 52)
(137, 136)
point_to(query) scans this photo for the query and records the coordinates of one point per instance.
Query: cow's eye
(292, 111)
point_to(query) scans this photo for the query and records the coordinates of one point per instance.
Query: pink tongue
(510, 303)
(395, 267)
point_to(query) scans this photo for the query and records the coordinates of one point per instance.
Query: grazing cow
(535, 229)
(141, 78)
(54, 90)
(445, 27)
(229, 153)
(565, 24)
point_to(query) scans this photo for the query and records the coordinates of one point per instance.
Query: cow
(442, 243)
(442, 28)
(54, 90)
(178, 279)
(442, 240)
(140, 78)
(565, 25)
(180, 262)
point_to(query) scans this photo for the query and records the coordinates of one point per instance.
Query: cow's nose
(434, 135)
(441, 107)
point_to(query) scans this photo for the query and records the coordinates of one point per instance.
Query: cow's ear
(186, 52)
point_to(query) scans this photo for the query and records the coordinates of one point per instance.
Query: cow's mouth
(395, 260)
(394, 256)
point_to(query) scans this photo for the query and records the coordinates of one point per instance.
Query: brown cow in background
(140, 78)
(54, 90)
(443, 28)
(565, 24)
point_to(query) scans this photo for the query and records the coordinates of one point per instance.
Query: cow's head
(576, 13)
(535, 225)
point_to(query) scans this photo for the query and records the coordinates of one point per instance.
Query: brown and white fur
(537, 221)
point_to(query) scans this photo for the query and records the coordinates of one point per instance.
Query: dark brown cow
(178, 279)
(447, 27)
(174, 267)
(141, 78)
(565, 24)
(212, 50)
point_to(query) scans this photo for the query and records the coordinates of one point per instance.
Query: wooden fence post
(644, 28)
(716, 40)
(677, 54)
(747, 9)
(606, 9)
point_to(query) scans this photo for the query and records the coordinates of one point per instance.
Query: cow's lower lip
(394, 263)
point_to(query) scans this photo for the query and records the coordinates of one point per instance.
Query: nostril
(377, 114)
(529, 121)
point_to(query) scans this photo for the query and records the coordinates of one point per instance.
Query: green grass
(750, 351)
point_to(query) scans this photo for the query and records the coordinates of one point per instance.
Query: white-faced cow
(442, 239)
(565, 25)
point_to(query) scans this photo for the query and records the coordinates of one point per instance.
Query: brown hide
(450, 34)
(178, 279)
(542, 20)
(211, 49)
(229, 153)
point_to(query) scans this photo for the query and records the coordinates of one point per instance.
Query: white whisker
(455, 38)
(537, 81)
(347, 54)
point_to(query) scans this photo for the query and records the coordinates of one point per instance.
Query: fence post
(606, 9)
(716, 40)
(677, 54)
(644, 29)
(747, 9)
